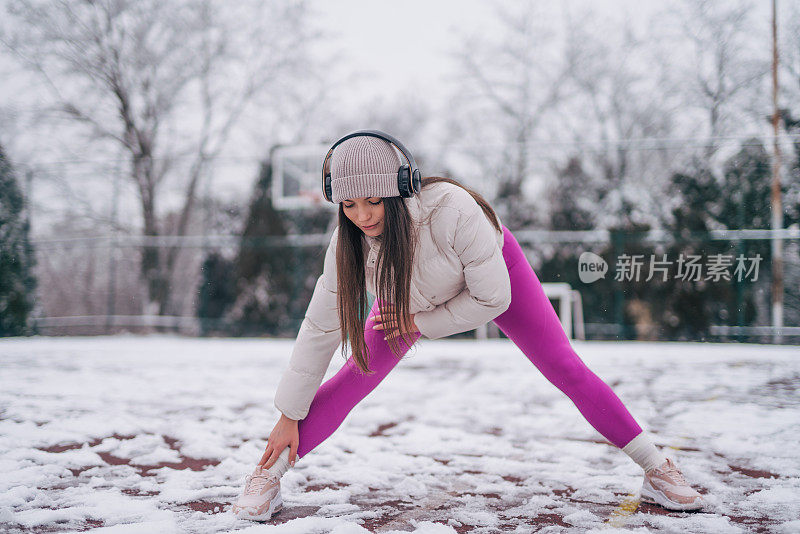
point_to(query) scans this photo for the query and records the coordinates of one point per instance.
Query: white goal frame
(570, 310)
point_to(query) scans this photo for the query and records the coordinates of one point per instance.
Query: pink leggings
(530, 322)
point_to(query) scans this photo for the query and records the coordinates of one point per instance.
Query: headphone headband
(408, 182)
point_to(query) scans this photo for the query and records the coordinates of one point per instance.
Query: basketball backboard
(297, 176)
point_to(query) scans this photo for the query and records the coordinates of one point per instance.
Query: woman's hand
(283, 434)
(385, 321)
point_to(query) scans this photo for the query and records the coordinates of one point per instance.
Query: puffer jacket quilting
(459, 282)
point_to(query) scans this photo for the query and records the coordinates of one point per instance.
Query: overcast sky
(382, 45)
(392, 41)
(410, 39)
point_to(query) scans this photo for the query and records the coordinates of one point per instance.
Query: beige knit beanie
(364, 166)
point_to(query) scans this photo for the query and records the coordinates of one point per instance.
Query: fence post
(617, 240)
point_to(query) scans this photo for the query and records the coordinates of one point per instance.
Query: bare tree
(165, 81)
(789, 35)
(614, 103)
(506, 89)
(722, 68)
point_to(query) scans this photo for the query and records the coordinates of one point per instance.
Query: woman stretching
(439, 262)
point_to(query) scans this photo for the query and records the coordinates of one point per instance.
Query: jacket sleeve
(488, 287)
(317, 341)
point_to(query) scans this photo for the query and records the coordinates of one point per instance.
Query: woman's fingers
(388, 326)
(271, 453)
(266, 454)
(381, 322)
(272, 458)
(387, 322)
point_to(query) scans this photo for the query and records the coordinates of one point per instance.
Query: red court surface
(155, 434)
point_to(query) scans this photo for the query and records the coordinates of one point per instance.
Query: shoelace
(672, 470)
(255, 483)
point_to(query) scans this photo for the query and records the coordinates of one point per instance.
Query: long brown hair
(398, 244)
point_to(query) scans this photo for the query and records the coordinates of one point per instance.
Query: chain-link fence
(652, 285)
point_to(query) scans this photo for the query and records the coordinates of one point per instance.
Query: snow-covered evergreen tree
(16, 256)
(266, 287)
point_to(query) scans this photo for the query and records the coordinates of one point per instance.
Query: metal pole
(617, 239)
(111, 303)
(777, 210)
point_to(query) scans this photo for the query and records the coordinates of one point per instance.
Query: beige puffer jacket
(459, 281)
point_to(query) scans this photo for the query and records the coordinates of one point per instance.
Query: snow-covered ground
(155, 434)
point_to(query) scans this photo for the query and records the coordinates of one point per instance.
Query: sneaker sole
(274, 507)
(657, 497)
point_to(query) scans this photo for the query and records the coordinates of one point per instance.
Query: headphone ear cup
(404, 181)
(327, 188)
(416, 181)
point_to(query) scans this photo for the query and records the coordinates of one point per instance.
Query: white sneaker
(261, 497)
(666, 487)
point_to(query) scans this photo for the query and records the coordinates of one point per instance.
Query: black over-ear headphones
(408, 175)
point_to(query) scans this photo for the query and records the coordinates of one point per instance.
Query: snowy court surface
(155, 435)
